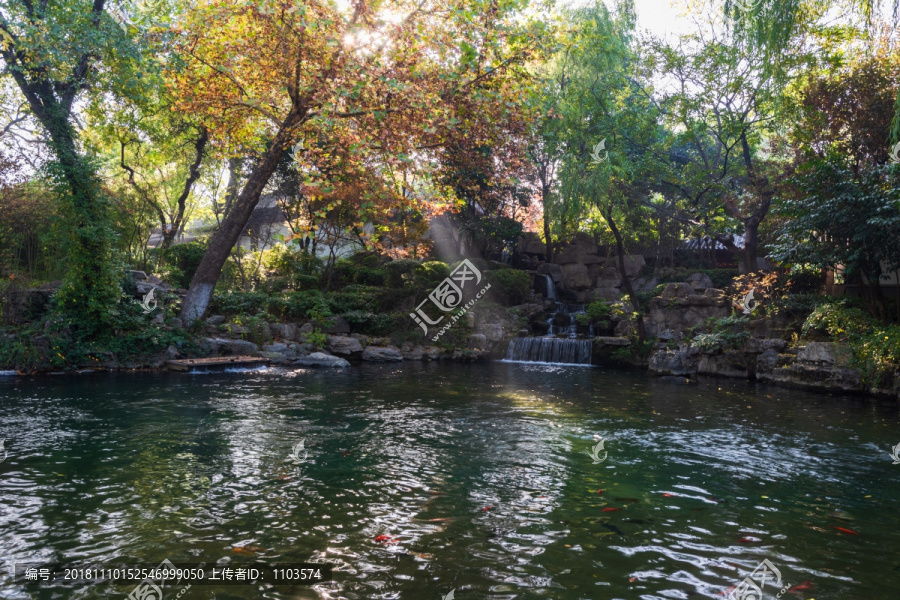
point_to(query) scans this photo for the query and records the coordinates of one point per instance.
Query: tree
(273, 74)
(843, 217)
(54, 51)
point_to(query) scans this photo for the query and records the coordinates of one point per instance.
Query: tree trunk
(548, 240)
(193, 174)
(626, 281)
(228, 233)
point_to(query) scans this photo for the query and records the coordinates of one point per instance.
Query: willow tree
(274, 74)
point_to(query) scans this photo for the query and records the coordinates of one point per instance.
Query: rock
(321, 359)
(305, 329)
(667, 334)
(275, 358)
(381, 354)
(766, 362)
(609, 294)
(523, 332)
(633, 264)
(158, 319)
(612, 341)
(176, 323)
(410, 352)
(215, 320)
(818, 352)
(276, 347)
(677, 290)
(361, 338)
(231, 347)
(172, 352)
(530, 243)
(433, 353)
(624, 328)
(699, 281)
(553, 270)
(285, 331)
(344, 345)
(493, 332)
(731, 363)
(674, 362)
(714, 293)
(575, 277)
(643, 284)
(582, 250)
(138, 275)
(8, 373)
(337, 325)
(477, 340)
(608, 277)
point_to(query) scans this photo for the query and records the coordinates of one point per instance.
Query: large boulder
(608, 294)
(677, 290)
(321, 359)
(337, 325)
(608, 277)
(381, 354)
(699, 281)
(530, 243)
(582, 250)
(344, 346)
(553, 270)
(633, 264)
(675, 362)
(575, 277)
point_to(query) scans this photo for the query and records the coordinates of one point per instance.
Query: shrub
(297, 304)
(398, 271)
(510, 286)
(431, 273)
(595, 311)
(238, 303)
(182, 260)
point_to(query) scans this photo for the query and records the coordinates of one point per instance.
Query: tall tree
(279, 72)
(54, 51)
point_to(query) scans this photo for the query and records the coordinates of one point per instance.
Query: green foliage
(301, 268)
(181, 262)
(722, 334)
(398, 271)
(257, 327)
(238, 303)
(316, 339)
(875, 347)
(431, 273)
(509, 286)
(378, 324)
(596, 311)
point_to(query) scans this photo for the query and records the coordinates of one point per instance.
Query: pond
(418, 480)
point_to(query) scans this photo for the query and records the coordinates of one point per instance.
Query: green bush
(398, 271)
(301, 268)
(431, 273)
(594, 312)
(510, 286)
(181, 262)
(297, 304)
(238, 303)
(379, 324)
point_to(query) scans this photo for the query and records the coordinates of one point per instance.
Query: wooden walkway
(216, 362)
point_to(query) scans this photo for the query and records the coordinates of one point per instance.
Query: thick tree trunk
(228, 233)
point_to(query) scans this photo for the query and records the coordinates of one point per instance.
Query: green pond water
(709, 480)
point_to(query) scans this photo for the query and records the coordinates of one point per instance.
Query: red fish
(667, 495)
(485, 509)
(806, 585)
(748, 540)
(600, 492)
(843, 530)
(610, 509)
(383, 538)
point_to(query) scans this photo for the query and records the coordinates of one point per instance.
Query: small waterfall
(568, 311)
(551, 288)
(550, 350)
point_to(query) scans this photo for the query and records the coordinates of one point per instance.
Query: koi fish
(383, 538)
(748, 540)
(485, 509)
(613, 528)
(610, 509)
(806, 585)
(599, 492)
(248, 550)
(844, 530)
(667, 495)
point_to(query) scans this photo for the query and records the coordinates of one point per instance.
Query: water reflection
(424, 478)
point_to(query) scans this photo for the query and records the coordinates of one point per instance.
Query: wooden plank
(223, 362)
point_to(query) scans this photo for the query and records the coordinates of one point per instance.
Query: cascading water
(550, 350)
